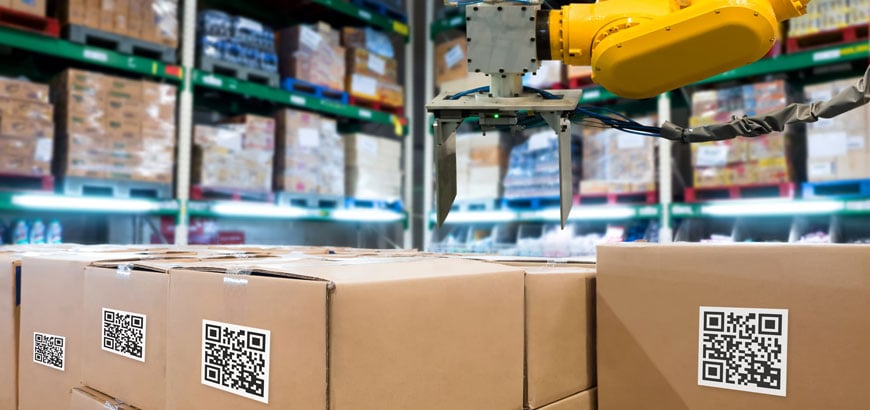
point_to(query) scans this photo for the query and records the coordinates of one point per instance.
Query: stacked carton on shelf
(839, 148)
(740, 161)
(312, 54)
(372, 70)
(451, 61)
(154, 21)
(616, 162)
(26, 128)
(235, 155)
(112, 127)
(309, 155)
(481, 161)
(533, 169)
(373, 167)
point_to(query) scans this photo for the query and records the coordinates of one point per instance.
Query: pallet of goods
(829, 23)
(309, 160)
(311, 61)
(26, 135)
(236, 46)
(28, 16)
(147, 28)
(618, 167)
(373, 171)
(741, 167)
(372, 70)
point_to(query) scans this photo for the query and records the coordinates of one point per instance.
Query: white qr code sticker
(49, 350)
(743, 349)
(235, 359)
(124, 333)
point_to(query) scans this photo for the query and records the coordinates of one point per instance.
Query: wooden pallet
(314, 90)
(844, 35)
(618, 198)
(203, 193)
(114, 188)
(122, 44)
(848, 189)
(308, 200)
(29, 22)
(253, 75)
(377, 106)
(783, 190)
(27, 182)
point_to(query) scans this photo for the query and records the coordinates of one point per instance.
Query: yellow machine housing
(641, 48)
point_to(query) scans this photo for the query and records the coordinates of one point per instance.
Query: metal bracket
(449, 115)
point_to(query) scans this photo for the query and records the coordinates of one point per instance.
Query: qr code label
(49, 350)
(743, 349)
(235, 359)
(124, 333)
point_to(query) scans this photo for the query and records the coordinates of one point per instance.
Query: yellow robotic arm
(641, 48)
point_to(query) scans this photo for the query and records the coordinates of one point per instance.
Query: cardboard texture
(481, 162)
(649, 320)
(220, 160)
(86, 398)
(358, 325)
(309, 156)
(23, 90)
(581, 401)
(60, 275)
(9, 265)
(311, 53)
(451, 61)
(373, 169)
(560, 333)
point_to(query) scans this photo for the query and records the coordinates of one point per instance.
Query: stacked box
(533, 169)
(740, 161)
(827, 15)
(112, 127)
(155, 21)
(158, 132)
(838, 148)
(312, 54)
(26, 128)
(309, 154)
(451, 61)
(372, 70)
(221, 161)
(236, 40)
(481, 162)
(373, 167)
(617, 162)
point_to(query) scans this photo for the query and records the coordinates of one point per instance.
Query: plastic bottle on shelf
(54, 235)
(20, 233)
(37, 233)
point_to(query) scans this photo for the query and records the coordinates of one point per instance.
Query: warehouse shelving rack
(188, 78)
(793, 213)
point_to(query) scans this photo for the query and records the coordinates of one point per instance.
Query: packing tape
(124, 270)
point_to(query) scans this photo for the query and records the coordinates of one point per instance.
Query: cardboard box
(311, 54)
(662, 313)
(839, 148)
(122, 88)
(120, 18)
(363, 86)
(55, 319)
(451, 61)
(22, 127)
(581, 401)
(374, 41)
(9, 270)
(86, 398)
(361, 61)
(259, 131)
(23, 90)
(391, 94)
(336, 325)
(36, 7)
(26, 156)
(107, 15)
(27, 109)
(560, 333)
(135, 303)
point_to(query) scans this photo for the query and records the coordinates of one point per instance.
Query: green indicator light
(495, 116)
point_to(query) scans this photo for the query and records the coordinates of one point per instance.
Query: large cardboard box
(560, 333)
(311, 53)
(758, 326)
(10, 266)
(581, 401)
(394, 333)
(23, 90)
(451, 61)
(124, 328)
(86, 398)
(50, 338)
